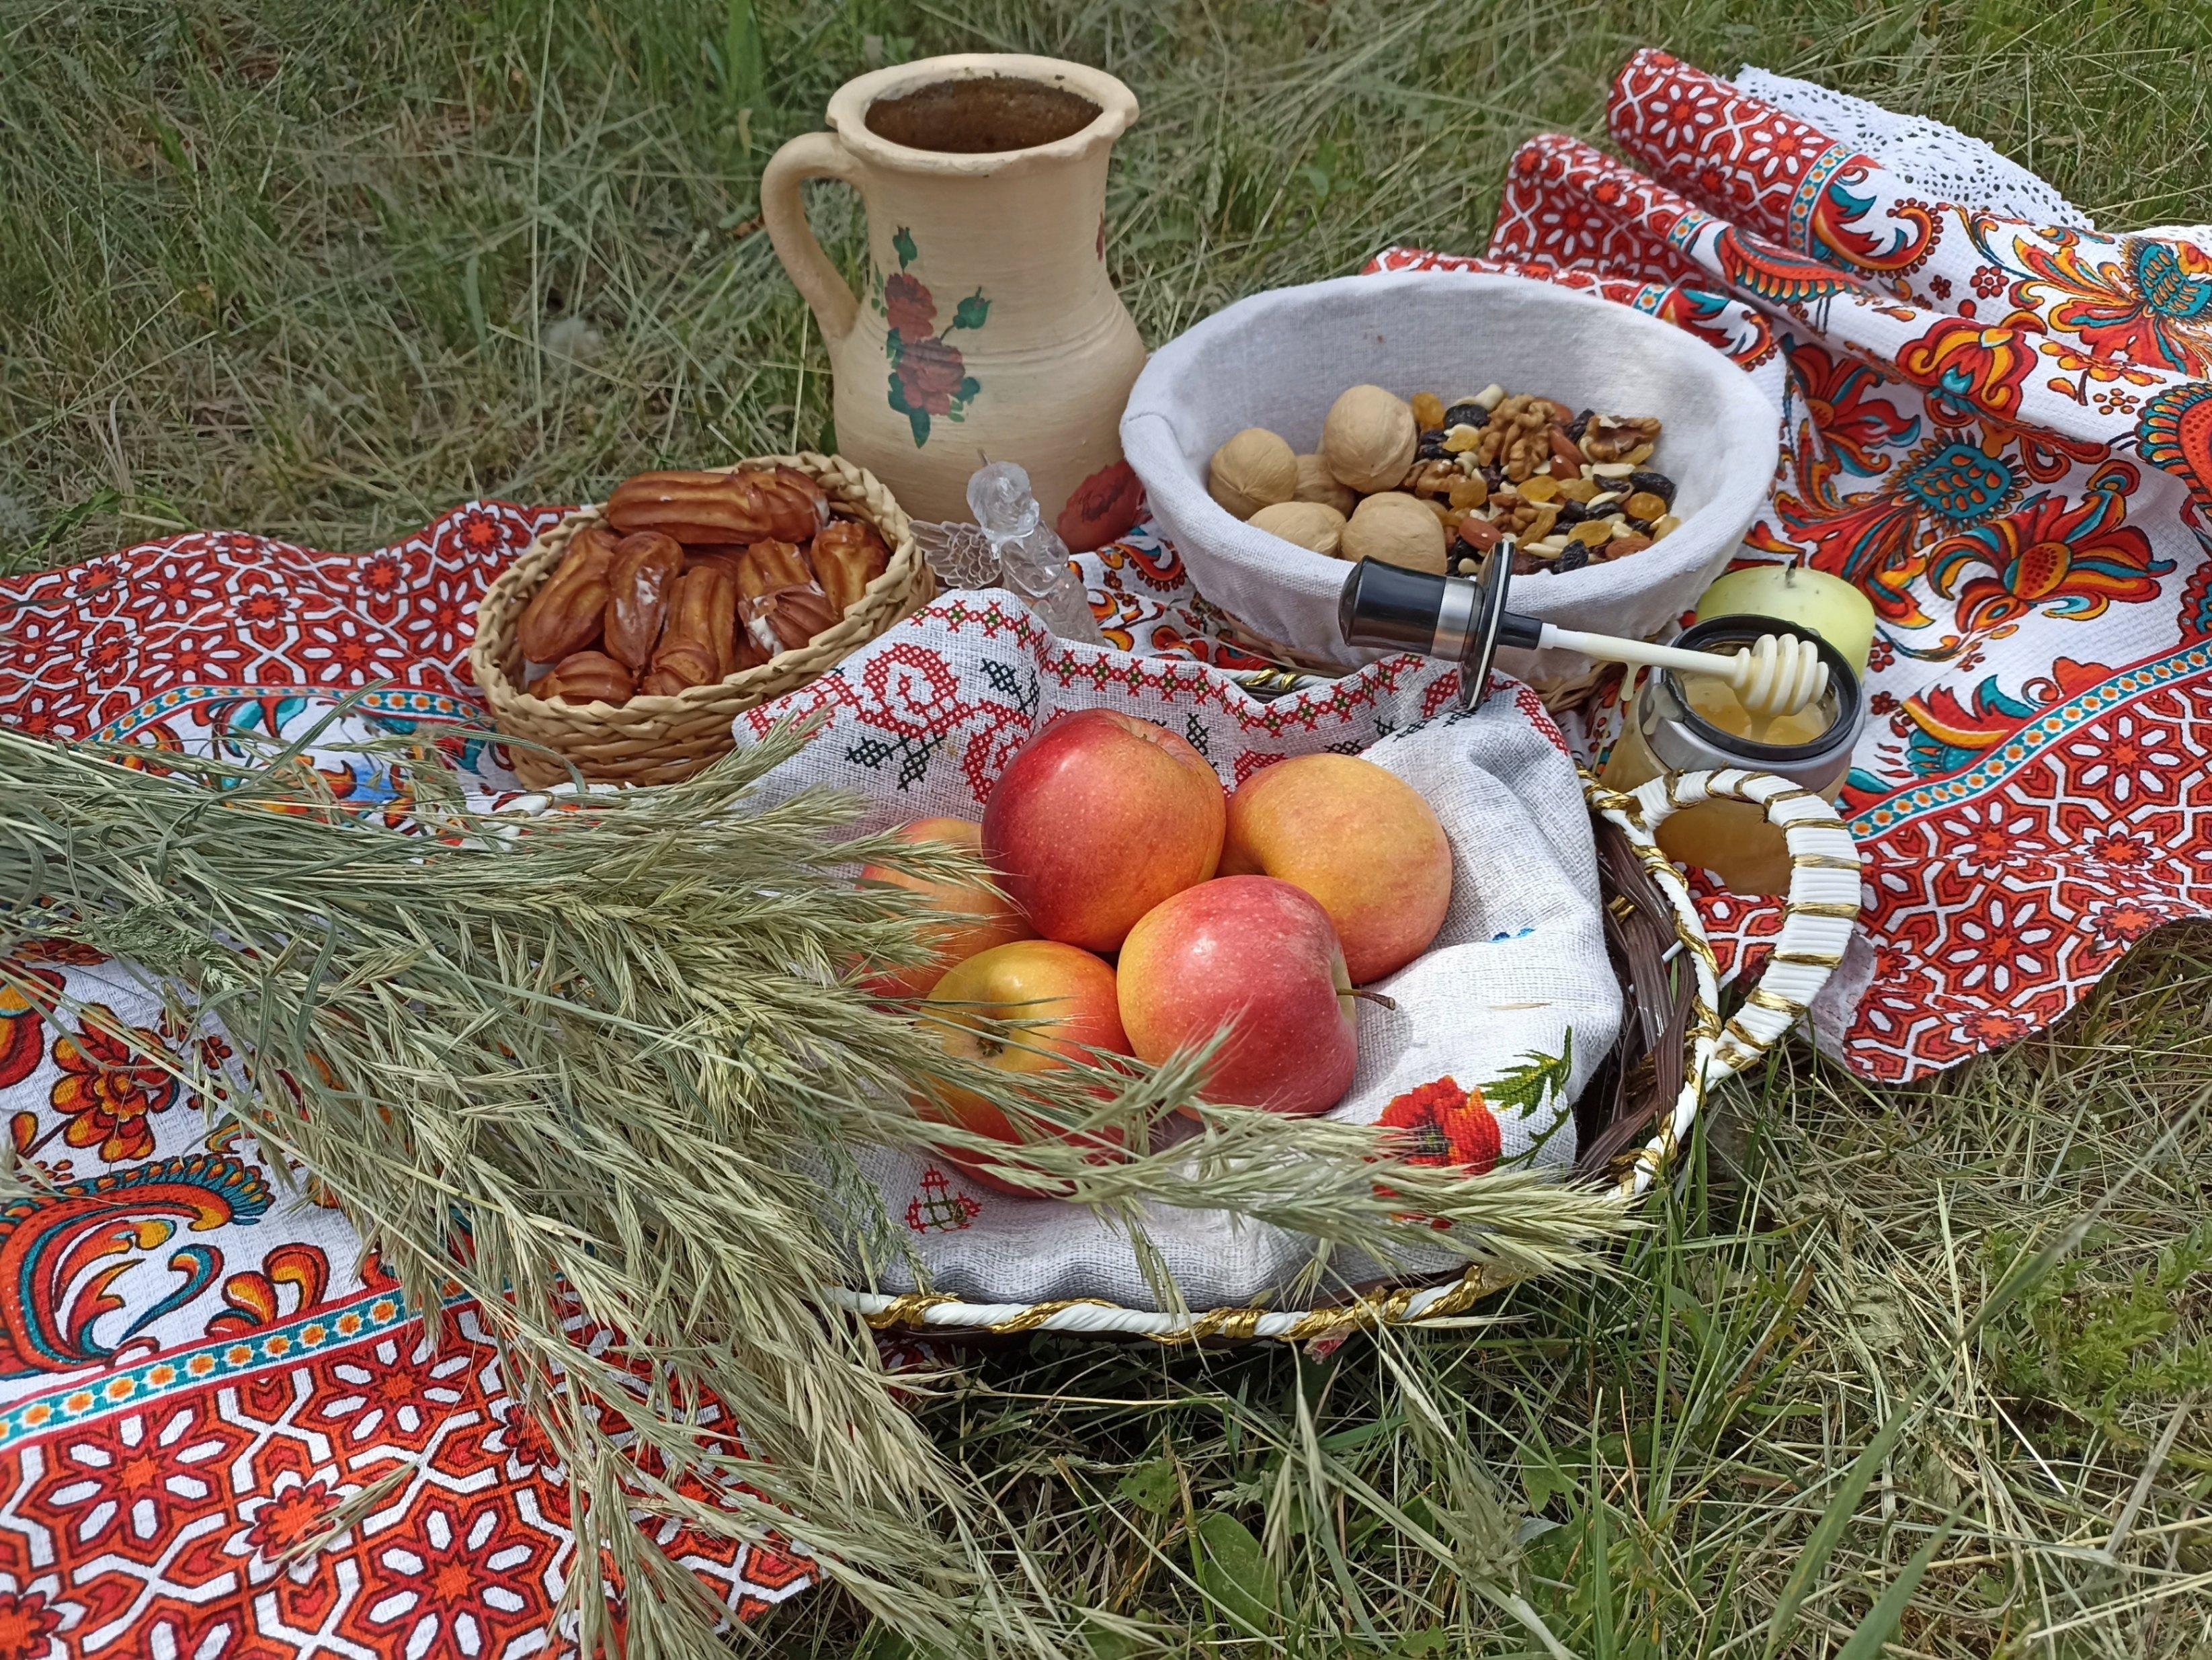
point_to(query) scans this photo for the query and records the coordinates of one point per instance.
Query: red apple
(1060, 1003)
(1259, 956)
(1096, 819)
(1359, 839)
(978, 917)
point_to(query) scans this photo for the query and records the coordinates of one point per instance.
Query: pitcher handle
(810, 155)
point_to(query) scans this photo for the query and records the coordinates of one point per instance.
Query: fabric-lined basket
(659, 740)
(1634, 1113)
(1502, 1043)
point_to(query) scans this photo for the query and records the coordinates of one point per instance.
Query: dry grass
(322, 270)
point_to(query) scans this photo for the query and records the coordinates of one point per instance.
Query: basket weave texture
(1634, 1115)
(659, 740)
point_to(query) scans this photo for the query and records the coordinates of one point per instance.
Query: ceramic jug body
(988, 330)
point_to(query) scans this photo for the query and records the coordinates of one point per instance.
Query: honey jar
(1682, 722)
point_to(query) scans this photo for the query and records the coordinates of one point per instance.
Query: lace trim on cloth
(1929, 156)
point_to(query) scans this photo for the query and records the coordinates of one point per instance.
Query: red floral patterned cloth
(197, 1367)
(2003, 435)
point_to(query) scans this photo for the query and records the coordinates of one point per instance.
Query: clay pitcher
(990, 331)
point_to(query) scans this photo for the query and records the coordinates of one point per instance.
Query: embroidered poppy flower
(111, 1085)
(1440, 1123)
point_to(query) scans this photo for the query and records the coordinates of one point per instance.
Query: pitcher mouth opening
(975, 112)
(988, 115)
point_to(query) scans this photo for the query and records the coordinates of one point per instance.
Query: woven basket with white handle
(1633, 1116)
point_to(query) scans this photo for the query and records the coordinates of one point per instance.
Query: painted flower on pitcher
(930, 374)
(910, 306)
(929, 378)
(1103, 507)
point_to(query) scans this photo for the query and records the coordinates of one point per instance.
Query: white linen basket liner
(922, 722)
(1280, 359)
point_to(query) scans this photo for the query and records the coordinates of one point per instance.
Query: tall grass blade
(1873, 1634)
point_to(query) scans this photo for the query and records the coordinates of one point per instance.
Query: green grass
(321, 270)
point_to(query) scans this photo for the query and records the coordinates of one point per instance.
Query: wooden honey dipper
(1778, 674)
(1464, 620)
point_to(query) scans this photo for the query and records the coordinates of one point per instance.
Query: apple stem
(1390, 1003)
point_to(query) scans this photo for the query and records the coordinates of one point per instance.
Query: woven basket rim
(654, 738)
(1815, 928)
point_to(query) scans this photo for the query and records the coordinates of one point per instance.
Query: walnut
(1398, 529)
(1368, 438)
(1253, 470)
(1614, 437)
(1314, 526)
(1431, 478)
(1317, 483)
(1517, 439)
(1517, 516)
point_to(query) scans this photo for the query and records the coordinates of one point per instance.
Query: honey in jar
(1681, 722)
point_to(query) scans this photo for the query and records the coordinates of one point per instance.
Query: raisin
(1575, 427)
(1657, 482)
(1470, 414)
(1570, 513)
(1573, 557)
(1432, 446)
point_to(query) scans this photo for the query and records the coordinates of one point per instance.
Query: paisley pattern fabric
(2002, 433)
(197, 1364)
(1998, 431)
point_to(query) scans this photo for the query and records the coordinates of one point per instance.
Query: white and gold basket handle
(1817, 918)
(1818, 914)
